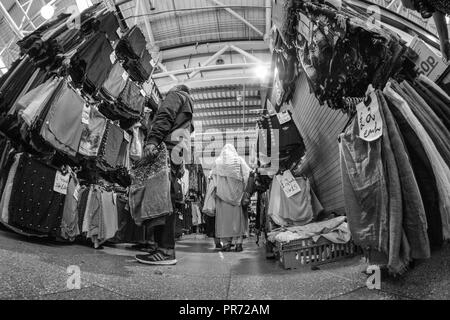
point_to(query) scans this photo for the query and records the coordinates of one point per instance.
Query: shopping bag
(209, 207)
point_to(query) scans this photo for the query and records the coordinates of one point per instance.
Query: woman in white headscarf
(230, 173)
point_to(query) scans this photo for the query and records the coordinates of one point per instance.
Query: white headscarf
(230, 164)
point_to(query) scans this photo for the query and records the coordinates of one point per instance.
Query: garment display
(440, 168)
(69, 222)
(197, 218)
(62, 127)
(281, 142)
(132, 49)
(415, 225)
(52, 103)
(92, 134)
(33, 192)
(116, 81)
(339, 53)
(296, 210)
(6, 194)
(111, 144)
(91, 65)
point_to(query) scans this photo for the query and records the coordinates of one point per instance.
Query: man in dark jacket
(172, 125)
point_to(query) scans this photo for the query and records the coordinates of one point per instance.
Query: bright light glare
(47, 11)
(262, 72)
(83, 4)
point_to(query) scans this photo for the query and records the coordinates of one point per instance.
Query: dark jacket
(175, 112)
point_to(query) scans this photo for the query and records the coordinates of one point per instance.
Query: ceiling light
(47, 11)
(262, 71)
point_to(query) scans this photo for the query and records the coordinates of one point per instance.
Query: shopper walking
(231, 175)
(172, 121)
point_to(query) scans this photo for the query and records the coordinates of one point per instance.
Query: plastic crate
(305, 253)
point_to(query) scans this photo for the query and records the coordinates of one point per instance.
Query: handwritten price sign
(61, 183)
(369, 119)
(288, 183)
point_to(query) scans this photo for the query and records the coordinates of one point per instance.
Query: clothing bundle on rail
(72, 123)
(341, 53)
(400, 181)
(280, 144)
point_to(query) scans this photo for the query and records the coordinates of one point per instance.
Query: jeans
(364, 186)
(414, 219)
(423, 172)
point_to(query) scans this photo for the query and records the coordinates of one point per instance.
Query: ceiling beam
(194, 84)
(222, 99)
(209, 60)
(249, 117)
(164, 69)
(224, 127)
(210, 48)
(208, 68)
(238, 16)
(11, 22)
(224, 110)
(246, 54)
(268, 18)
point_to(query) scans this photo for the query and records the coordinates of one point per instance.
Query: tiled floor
(33, 269)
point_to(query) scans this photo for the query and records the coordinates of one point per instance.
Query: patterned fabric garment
(440, 5)
(150, 190)
(92, 134)
(34, 205)
(340, 56)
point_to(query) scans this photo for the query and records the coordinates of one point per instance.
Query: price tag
(369, 119)
(143, 92)
(86, 114)
(283, 117)
(428, 62)
(112, 57)
(61, 183)
(288, 183)
(125, 75)
(76, 193)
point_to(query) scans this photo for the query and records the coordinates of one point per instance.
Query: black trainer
(158, 258)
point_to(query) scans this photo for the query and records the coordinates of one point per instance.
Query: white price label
(112, 57)
(125, 75)
(86, 114)
(61, 183)
(143, 92)
(369, 119)
(288, 183)
(428, 62)
(283, 117)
